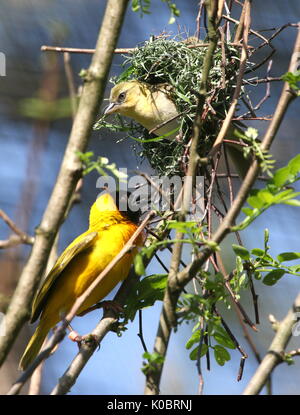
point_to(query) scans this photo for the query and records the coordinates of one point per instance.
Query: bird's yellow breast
(85, 267)
(154, 108)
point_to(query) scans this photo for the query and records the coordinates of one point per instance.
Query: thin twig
(140, 333)
(237, 345)
(254, 82)
(293, 353)
(261, 63)
(240, 28)
(277, 31)
(241, 118)
(161, 238)
(20, 237)
(232, 294)
(198, 362)
(198, 18)
(223, 60)
(243, 60)
(253, 347)
(47, 48)
(229, 181)
(161, 263)
(263, 99)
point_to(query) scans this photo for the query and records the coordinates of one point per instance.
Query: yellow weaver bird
(80, 263)
(151, 105)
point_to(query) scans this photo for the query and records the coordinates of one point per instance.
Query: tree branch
(48, 48)
(167, 317)
(70, 171)
(276, 352)
(243, 29)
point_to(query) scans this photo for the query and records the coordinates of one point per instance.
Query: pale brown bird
(152, 105)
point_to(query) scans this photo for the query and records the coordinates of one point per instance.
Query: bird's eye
(122, 96)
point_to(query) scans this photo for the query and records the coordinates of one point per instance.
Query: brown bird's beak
(111, 108)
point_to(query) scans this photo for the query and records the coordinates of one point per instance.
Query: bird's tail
(34, 346)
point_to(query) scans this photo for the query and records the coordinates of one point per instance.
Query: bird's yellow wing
(80, 244)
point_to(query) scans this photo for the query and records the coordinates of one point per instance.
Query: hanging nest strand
(179, 63)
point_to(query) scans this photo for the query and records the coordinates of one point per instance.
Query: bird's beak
(111, 108)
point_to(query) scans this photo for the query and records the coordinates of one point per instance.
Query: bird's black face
(125, 204)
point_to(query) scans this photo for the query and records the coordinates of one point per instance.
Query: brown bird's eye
(122, 96)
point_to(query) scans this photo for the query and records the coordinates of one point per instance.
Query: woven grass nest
(178, 63)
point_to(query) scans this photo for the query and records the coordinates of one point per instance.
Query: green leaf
(287, 174)
(272, 277)
(254, 200)
(125, 75)
(222, 337)
(161, 137)
(265, 196)
(194, 352)
(281, 176)
(184, 227)
(221, 355)
(284, 196)
(183, 97)
(141, 6)
(294, 165)
(293, 79)
(241, 251)
(274, 193)
(195, 338)
(248, 211)
(258, 252)
(243, 281)
(292, 202)
(146, 292)
(239, 264)
(153, 360)
(288, 256)
(154, 357)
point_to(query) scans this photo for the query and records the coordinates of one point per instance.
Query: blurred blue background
(30, 156)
